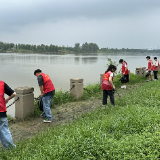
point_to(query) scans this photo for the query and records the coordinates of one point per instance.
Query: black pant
(155, 74)
(105, 96)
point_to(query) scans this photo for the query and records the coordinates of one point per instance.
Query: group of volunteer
(47, 92)
(152, 68)
(107, 83)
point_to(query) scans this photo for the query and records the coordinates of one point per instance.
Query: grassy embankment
(93, 91)
(129, 131)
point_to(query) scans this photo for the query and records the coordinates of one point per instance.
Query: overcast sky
(109, 23)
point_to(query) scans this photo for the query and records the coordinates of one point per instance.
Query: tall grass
(129, 131)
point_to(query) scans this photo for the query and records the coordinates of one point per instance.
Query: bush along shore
(129, 131)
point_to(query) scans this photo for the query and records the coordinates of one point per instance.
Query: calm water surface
(17, 69)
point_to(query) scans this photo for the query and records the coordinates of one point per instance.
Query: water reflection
(89, 60)
(77, 60)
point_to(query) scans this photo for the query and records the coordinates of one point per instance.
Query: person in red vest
(47, 92)
(125, 72)
(150, 70)
(5, 135)
(156, 68)
(108, 86)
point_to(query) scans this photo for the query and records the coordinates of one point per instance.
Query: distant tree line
(115, 50)
(6, 46)
(85, 48)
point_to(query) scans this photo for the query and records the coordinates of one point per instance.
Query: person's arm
(152, 65)
(120, 70)
(9, 92)
(41, 89)
(40, 82)
(10, 97)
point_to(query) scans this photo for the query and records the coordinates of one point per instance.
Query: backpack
(40, 104)
(123, 79)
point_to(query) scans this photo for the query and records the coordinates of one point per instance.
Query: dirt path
(62, 114)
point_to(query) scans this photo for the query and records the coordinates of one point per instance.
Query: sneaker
(47, 120)
(42, 115)
(147, 80)
(155, 79)
(122, 86)
(104, 106)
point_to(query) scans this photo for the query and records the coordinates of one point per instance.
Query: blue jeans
(5, 135)
(47, 100)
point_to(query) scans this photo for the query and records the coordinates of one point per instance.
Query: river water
(17, 69)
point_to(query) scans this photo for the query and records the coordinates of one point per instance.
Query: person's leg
(105, 95)
(151, 75)
(5, 135)
(46, 106)
(111, 95)
(148, 75)
(156, 75)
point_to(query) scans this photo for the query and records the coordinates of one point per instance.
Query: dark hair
(110, 67)
(37, 71)
(121, 60)
(155, 57)
(148, 57)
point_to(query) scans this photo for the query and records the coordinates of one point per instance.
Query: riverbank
(67, 109)
(99, 133)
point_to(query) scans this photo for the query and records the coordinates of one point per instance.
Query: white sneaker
(147, 80)
(104, 106)
(155, 79)
(124, 87)
(47, 120)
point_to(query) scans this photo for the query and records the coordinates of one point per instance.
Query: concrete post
(143, 71)
(25, 105)
(101, 78)
(139, 71)
(77, 91)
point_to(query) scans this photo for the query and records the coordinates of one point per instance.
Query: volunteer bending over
(47, 92)
(108, 86)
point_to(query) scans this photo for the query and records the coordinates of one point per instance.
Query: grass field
(129, 131)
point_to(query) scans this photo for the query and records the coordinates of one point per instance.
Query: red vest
(105, 83)
(2, 99)
(123, 69)
(156, 68)
(150, 63)
(47, 84)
